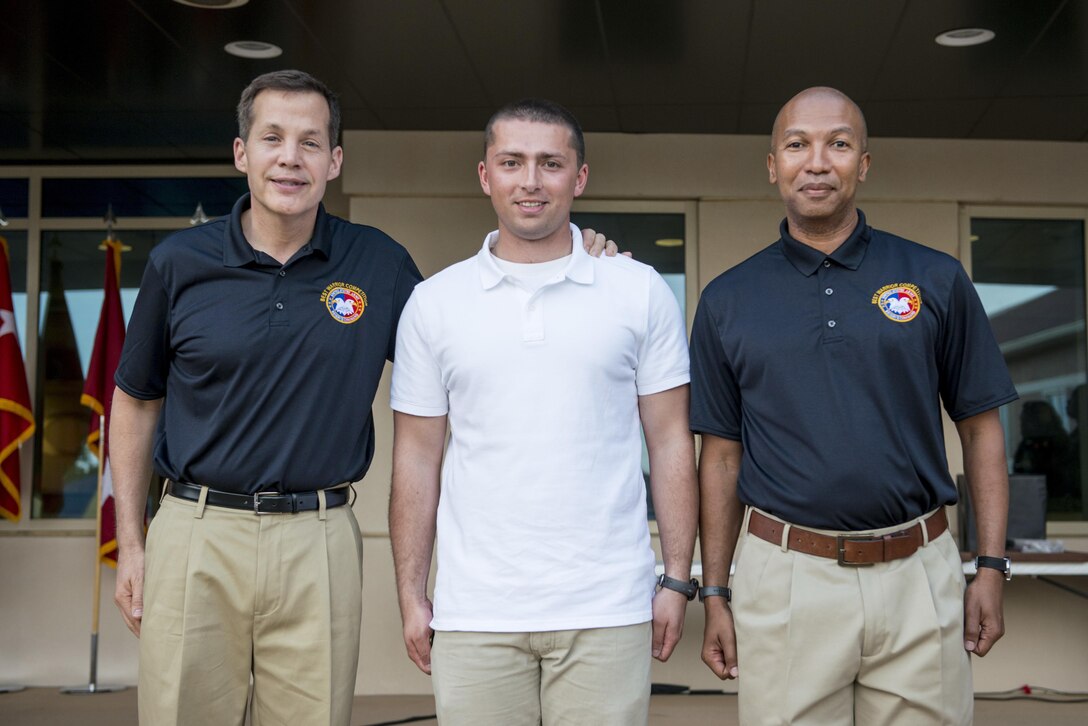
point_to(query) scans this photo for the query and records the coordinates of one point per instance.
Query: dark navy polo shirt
(267, 371)
(831, 371)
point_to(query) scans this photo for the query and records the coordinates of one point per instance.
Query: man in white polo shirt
(544, 360)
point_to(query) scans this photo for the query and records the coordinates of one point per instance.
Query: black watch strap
(688, 589)
(715, 591)
(1002, 564)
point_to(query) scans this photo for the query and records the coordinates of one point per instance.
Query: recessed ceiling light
(669, 242)
(253, 49)
(964, 36)
(213, 4)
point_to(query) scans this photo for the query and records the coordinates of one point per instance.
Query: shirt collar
(807, 259)
(579, 269)
(238, 252)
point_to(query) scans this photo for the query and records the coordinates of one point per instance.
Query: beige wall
(422, 189)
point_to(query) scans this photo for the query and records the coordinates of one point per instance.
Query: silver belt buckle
(256, 503)
(840, 542)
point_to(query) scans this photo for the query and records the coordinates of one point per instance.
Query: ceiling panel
(917, 68)
(1050, 119)
(794, 45)
(131, 79)
(549, 50)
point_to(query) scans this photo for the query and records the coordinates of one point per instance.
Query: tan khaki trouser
(598, 677)
(228, 594)
(823, 644)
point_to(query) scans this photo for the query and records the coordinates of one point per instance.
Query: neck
(277, 237)
(826, 235)
(512, 248)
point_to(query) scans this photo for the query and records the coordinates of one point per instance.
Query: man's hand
(669, 610)
(129, 593)
(418, 633)
(720, 640)
(983, 619)
(595, 243)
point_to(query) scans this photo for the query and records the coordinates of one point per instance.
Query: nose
(819, 158)
(530, 180)
(288, 155)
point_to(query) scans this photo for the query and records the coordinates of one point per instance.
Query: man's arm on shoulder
(720, 517)
(132, 431)
(984, 465)
(418, 443)
(676, 504)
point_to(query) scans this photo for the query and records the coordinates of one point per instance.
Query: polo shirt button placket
(533, 319)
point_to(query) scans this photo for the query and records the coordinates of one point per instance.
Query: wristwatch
(715, 591)
(687, 589)
(1004, 564)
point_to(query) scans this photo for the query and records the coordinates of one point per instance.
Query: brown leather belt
(850, 550)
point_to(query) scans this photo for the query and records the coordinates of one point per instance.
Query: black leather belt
(261, 502)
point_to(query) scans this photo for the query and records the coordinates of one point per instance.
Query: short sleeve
(663, 353)
(408, 277)
(145, 358)
(973, 374)
(715, 395)
(417, 387)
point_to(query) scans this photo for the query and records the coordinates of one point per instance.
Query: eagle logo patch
(344, 302)
(900, 302)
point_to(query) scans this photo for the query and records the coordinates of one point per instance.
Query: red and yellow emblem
(345, 302)
(900, 302)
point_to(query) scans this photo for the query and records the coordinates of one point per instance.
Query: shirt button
(828, 291)
(283, 273)
(831, 323)
(279, 306)
(827, 263)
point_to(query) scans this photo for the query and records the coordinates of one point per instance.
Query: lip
(530, 206)
(817, 190)
(289, 184)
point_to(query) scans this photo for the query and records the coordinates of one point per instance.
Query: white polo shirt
(542, 513)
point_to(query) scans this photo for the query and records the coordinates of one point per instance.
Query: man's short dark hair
(291, 82)
(541, 111)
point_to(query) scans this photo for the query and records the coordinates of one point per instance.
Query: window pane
(14, 197)
(73, 268)
(656, 240)
(1030, 276)
(140, 197)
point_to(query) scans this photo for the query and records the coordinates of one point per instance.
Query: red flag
(16, 420)
(98, 390)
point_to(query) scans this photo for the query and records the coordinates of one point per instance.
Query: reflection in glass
(65, 470)
(1030, 277)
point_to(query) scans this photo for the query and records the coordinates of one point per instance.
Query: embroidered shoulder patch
(344, 302)
(900, 301)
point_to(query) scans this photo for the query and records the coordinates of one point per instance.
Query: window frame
(34, 224)
(1055, 528)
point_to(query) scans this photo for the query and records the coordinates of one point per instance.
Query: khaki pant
(823, 644)
(598, 677)
(228, 595)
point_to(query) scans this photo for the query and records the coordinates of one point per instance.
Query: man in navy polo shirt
(247, 379)
(819, 367)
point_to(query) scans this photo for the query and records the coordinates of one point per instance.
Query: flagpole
(92, 685)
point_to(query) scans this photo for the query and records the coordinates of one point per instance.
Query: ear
(240, 155)
(771, 175)
(337, 162)
(481, 170)
(863, 166)
(580, 181)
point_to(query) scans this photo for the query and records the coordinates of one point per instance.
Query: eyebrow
(849, 130)
(522, 154)
(272, 126)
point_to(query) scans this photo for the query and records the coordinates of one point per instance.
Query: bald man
(819, 367)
